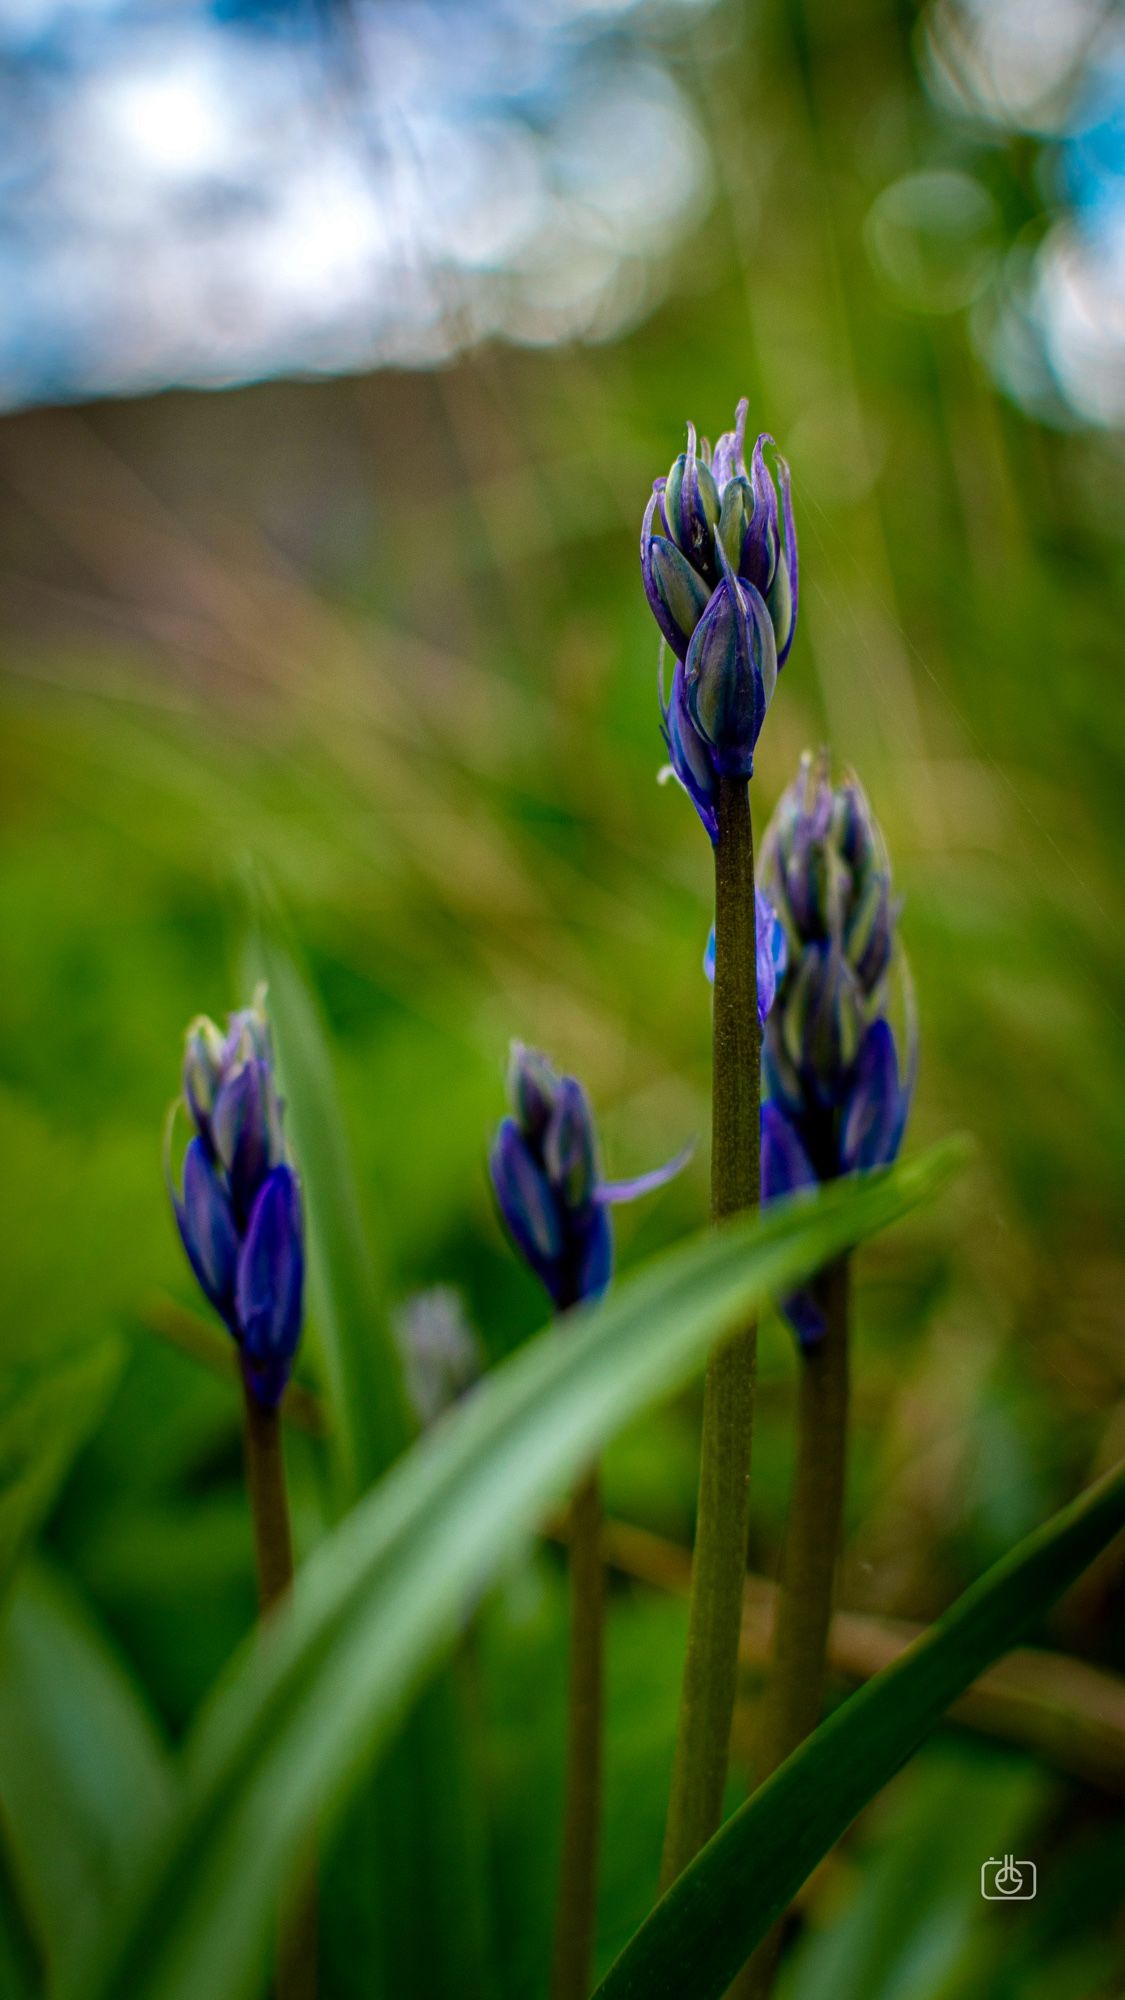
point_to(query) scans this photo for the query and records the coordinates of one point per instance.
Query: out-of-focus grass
(383, 645)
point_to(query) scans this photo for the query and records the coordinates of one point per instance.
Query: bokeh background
(339, 346)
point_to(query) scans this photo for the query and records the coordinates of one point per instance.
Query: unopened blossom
(837, 1092)
(239, 1208)
(719, 566)
(548, 1181)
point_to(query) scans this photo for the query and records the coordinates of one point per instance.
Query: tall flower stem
(578, 1875)
(273, 1551)
(722, 1521)
(812, 1542)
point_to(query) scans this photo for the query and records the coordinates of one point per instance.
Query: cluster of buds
(548, 1185)
(837, 1100)
(719, 564)
(239, 1212)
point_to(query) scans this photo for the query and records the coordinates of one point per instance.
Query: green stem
(273, 1551)
(578, 1875)
(722, 1520)
(812, 1543)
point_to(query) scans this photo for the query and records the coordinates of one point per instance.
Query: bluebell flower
(719, 567)
(548, 1183)
(838, 1092)
(239, 1210)
(772, 953)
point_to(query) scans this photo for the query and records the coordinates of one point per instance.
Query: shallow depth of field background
(372, 647)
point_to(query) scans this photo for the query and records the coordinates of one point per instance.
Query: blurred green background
(375, 650)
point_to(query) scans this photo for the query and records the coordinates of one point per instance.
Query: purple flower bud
(874, 1116)
(270, 1286)
(207, 1229)
(786, 1167)
(690, 506)
(532, 1089)
(690, 756)
(204, 1052)
(246, 1127)
(772, 953)
(869, 935)
(676, 592)
(830, 1065)
(729, 675)
(569, 1153)
(821, 1022)
(240, 1212)
(526, 1200)
(552, 1199)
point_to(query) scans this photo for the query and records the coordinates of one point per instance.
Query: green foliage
(296, 1721)
(709, 1922)
(85, 1779)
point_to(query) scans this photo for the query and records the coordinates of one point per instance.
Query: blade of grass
(423, 1814)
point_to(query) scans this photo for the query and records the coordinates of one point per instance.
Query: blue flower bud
(204, 1051)
(691, 757)
(532, 1089)
(837, 1103)
(786, 1167)
(869, 933)
(676, 592)
(270, 1285)
(772, 953)
(240, 1212)
(526, 1200)
(550, 1195)
(875, 1114)
(729, 675)
(569, 1152)
(246, 1126)
(690, 506)
(822, 1022)
(207, 1230)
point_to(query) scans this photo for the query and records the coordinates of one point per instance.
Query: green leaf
(296, 1722)
(421, 1825)
(48, 1406)
(84, 1776)
(703, 1930)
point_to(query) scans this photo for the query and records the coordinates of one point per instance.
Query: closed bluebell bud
(549, 1189)
(526, 1200)
(690, 507)
(719, 567)
(830, 1065)
(532, 1089)
(239, 1214)
(204, 1050)
(270, 1286)
(772, 953)
(569, 1147)
(206, 1226)
(690, 756)
(729, 675)
(676, 592)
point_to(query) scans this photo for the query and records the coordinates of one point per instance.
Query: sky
(208, 194)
